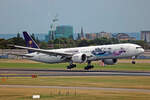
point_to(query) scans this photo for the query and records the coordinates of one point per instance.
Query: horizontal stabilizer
(22, 55)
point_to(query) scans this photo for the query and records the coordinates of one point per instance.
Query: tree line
(66, 42)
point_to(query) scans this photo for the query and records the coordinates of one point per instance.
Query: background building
(104, 34)
(145, 35)
(92, 36)
(124, 36)
(63, 31)
(136, 35)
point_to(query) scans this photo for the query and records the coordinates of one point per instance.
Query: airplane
(108, 54)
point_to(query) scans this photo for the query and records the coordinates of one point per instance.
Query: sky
(35, 16)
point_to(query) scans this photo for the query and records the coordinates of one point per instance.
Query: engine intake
(109, 61)
(79, 58)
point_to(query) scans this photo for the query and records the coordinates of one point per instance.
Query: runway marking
(74, 74)
(82, 88)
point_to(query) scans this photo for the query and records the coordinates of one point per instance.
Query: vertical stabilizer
(29, 41)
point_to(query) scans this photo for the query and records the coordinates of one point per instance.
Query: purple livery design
(101, 52)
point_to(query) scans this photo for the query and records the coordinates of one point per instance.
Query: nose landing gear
(133, 60)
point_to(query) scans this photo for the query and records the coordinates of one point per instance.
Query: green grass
(120, 66)
(32, 65)
(95, 81)
(53, 94)
(129, 66)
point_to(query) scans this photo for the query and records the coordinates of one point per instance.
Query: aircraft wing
(45, 51)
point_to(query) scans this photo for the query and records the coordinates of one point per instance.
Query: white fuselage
(113, 51)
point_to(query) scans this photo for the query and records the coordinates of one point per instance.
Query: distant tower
(145, 37)
(82, 34)
(79, 37)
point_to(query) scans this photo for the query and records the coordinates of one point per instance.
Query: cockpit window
(138, 47)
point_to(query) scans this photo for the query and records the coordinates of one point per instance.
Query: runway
(45, 72)
(81, 88)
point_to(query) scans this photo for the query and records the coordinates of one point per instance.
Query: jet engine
(109, 61)
(79, 58)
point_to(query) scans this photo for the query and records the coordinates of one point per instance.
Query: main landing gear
(71, 65)
(89, 66)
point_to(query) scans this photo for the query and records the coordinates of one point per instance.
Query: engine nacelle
(109, 61)
(79, 58)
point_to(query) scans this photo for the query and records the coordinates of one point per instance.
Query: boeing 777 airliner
(107, 53)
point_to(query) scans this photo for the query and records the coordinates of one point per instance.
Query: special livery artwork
(101, 52)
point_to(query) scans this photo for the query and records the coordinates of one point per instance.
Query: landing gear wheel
(89, 66)
(133, 59)
(71, 66)
(133, 62)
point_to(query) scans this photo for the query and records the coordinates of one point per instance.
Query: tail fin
(29, 41)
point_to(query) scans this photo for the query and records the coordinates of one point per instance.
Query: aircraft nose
(142, 50)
